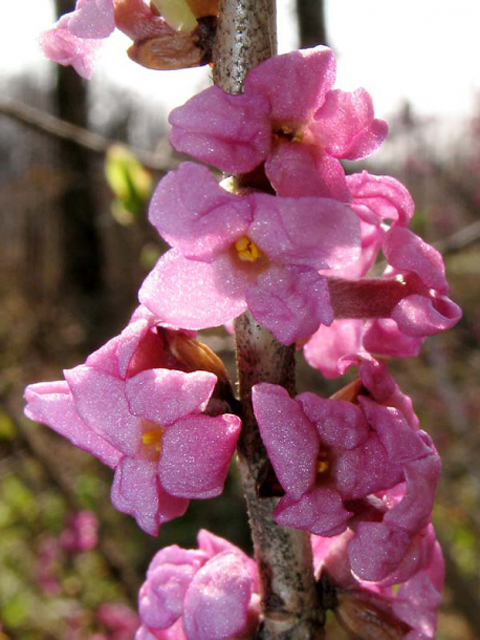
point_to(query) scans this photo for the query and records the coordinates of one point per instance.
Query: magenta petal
(52, 403)
(230, 132)
(316, 232)
(291, 440)
(164, 396)
(136, 491)
(401, 443)
(196, 454)
(345, 125)
(418, 316)
(319, 511)
(407, 252)
(299, 170)
(101, 402)
(339, 424)
(217, 601)
(380, 198)
(294, 83)
(414, 510)
(193, 213)
(192, 294)
(377, 550)
(291, 302)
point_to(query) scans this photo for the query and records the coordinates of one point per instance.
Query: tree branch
(290, 606)
(46, 123)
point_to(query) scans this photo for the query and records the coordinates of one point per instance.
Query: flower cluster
(212, 592)
(292, 239)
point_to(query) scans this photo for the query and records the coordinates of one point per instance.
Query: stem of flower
(290, 605)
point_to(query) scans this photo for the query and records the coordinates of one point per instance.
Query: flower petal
(291, 440)
(230, 132)
(165, 396)
(192, 212)
(192, 294)
(196, 454)
(52, 403)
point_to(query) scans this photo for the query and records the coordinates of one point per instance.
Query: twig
(290, 606)
(47, 123)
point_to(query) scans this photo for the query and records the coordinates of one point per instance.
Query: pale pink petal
(319, 511)
(90, 19)
(218, 600)
(137, 491)
(380, 198)
(60, 46)
(345, 126)
(294, 83)
(316, 232)
(382, 336)
(212, 545)
(52, 403)
(230, 132)
(328, 346)
(100, 400)
(196, 453)
(192, 212)
(300, 170)
(291, 440)
(164, 396)
(160, 601)
(291, 302)
(192, 294)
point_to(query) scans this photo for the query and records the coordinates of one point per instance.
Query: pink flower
(337, 461)
(81, 532)
(147, 420)
(120, 621)
(258, 251)
(288, 118)
(368, 608)
(394, 313)
(77, 36)
(194, 594)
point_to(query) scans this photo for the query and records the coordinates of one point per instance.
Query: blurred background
(78, 163)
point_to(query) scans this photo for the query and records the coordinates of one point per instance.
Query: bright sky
(426, 51)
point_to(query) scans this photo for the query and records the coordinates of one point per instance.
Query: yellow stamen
(323, 463)
(153, 437)
(247, 250)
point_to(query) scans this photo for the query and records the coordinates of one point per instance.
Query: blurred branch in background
(311, 22)
(89, 140)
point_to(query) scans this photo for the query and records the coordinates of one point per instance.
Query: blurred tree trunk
(311, 22)
(82, 278)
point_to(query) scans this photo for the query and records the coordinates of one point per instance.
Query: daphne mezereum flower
(393, 313)
(337, 461)
(289, 118)
(233, 252)
(379, 609)
(159, 42)
(193, 594)
(129, 407)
